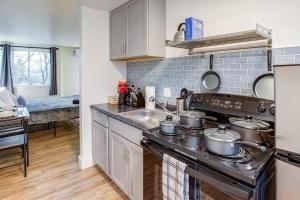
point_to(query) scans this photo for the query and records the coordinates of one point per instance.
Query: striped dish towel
(175, 180)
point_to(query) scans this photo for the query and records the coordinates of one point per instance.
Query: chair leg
(25, 156)
(27, 150)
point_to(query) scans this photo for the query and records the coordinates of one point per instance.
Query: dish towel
(175, 180)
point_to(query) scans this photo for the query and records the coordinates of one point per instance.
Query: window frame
(29, 50)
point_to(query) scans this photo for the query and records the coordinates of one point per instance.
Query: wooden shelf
(259, 34)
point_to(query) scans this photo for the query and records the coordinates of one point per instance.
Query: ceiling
(43, 22)
(106, 5)
(46, 22)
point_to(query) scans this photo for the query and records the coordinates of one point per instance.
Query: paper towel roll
(149, 92)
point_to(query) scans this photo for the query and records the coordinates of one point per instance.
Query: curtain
(53, 72)
(6, 75)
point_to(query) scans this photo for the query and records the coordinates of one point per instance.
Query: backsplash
(237, 70)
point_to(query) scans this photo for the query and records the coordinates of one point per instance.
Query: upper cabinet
(137, 30)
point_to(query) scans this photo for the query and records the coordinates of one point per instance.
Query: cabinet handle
(128, 156)
(125, 153)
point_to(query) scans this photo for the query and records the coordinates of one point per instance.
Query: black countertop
(114, 110)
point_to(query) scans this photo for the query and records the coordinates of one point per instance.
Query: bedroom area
(39, 92)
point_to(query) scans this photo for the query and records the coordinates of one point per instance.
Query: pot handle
(209, 117)
(252, 144)
(183, 126)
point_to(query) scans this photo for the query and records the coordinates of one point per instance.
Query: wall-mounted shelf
(260, 37)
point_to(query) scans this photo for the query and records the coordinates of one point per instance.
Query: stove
(249, 168)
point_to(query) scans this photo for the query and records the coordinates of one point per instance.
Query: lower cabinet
(118, 156)
(100, 145)
(126, 165)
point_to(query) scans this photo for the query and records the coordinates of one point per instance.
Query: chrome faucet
(152, 99)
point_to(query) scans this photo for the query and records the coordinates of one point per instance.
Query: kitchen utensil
(180, 105)
(252, 130)
(170, 126)
(226, 142)
(194, 119)
(210, 80)
(180, 34)
(264, 86)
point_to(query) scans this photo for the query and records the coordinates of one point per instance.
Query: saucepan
(226, 142)
(170, 126)
(194, 119)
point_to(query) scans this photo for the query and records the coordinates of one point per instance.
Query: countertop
(113, 110)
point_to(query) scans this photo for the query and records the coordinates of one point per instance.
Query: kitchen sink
(149, 118)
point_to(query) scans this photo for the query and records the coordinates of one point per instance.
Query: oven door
(213, 185)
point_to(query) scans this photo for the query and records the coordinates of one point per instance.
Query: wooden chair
(13, 135)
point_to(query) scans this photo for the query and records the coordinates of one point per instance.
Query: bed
(52, 109)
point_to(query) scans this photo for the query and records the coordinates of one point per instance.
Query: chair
(13, 135)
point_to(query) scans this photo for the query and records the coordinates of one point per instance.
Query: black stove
(249, 164)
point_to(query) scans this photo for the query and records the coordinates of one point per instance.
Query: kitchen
(238, 68)
(189, 99)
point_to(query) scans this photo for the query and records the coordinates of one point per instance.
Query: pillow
(8, 98)
(21, 101)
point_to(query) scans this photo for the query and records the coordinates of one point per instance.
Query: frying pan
(210, 80)
(263, 86)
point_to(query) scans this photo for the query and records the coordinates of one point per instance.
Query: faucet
(152, 99)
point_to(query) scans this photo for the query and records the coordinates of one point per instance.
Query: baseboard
(85, 162)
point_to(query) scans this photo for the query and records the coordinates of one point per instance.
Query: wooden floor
(53, 172)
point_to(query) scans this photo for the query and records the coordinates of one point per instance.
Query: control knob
(272, 109)
(261, 107)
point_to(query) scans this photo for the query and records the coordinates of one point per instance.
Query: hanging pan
(263, 86)
(210, 80)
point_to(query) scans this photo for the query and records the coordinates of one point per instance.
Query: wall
(69, 72)
(234, 15)
(99, 76)
(30, 92)
(237, 70)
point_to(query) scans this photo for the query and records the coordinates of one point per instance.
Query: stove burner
(168, 134)
(242, 154)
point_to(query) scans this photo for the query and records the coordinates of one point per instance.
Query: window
(30, 67)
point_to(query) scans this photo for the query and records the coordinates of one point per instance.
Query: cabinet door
(100, 146)
(136, 28)
(118, 160)
(118, 33)
(135, 160)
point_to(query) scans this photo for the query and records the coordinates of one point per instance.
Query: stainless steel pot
(169, 126)
(252, 130)
(194, 119)
(226, 142)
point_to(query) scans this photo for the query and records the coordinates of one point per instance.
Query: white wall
(225, 16)
(69, 72)
(30, 92)
(99, 76)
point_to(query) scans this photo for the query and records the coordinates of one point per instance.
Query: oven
(214, 185)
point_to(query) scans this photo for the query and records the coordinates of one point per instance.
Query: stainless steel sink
(149, 118)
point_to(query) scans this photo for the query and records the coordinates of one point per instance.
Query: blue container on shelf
(194, 29)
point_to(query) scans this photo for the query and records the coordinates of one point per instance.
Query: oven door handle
(155, 149)
(241, 192)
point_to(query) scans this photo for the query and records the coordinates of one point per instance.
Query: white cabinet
(135, 190)
(138, 30)
(126, 165)
(118, 33)
(100, 145)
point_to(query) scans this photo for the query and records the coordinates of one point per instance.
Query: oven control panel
(227, 104)
(233, 105)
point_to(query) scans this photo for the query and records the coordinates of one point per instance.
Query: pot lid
(249, 123)
(168, 121)
(193, 114)
(222, 134)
